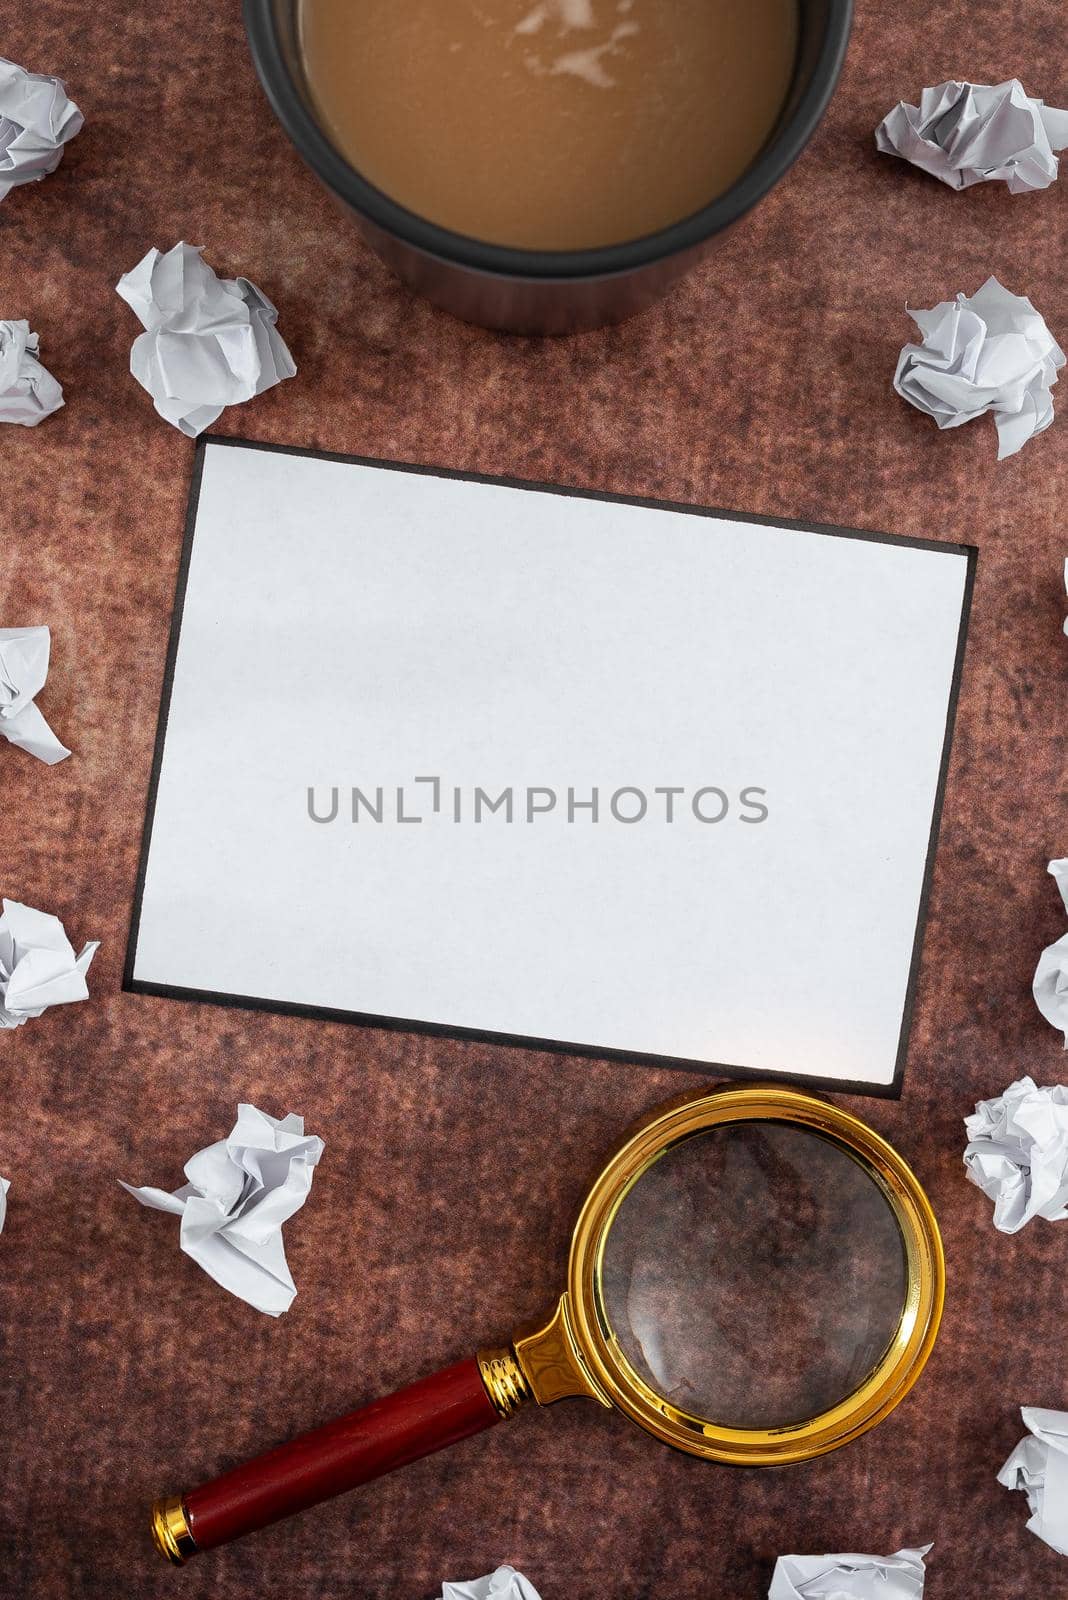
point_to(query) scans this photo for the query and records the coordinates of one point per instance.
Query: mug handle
(415, 1421)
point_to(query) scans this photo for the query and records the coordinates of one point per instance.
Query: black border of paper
(134, 985)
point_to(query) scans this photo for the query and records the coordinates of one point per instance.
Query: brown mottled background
(441, 1211)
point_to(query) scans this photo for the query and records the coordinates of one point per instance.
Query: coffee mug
(542, 291)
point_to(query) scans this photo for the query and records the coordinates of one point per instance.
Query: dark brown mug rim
(325, 160)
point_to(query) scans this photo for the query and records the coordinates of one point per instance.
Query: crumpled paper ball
(1017, 1153)
(28, 391)
(503, 1584)
(38, 967)
(1039, 1466)
(850, 1577)
(36, 121)
(1050, 986)
(5, 1185)
(209, 342)
(240, 1192)
(990, 352)
(965, 133)
(24, 654)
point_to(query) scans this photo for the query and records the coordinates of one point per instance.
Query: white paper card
(347, 625)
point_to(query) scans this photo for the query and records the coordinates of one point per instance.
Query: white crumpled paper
(850, 1577)
(36, 121)
(990, 352)
(240, 1191)
(5, 1185)
(209, 342)
(38, 967)
(28, 391)
(23, 670)
(503, 1584)
(1050, 986)
(967, 133)
(1039, 1466)
(1017, 1153)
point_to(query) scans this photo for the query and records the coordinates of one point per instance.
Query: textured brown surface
(442, 1208)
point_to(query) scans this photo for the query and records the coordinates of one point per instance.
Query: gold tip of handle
(170, 1530)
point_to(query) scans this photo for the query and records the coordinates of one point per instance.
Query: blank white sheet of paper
(480, 757)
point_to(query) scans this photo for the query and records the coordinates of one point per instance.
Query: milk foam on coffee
(550, 124)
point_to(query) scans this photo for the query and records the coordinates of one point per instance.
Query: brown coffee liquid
(550, 124)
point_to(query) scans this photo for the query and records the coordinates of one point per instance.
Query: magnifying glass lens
(754, 1275)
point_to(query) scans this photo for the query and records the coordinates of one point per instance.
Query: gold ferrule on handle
(505, 1382)
(170, 1530)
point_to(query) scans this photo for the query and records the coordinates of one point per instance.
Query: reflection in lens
(754, 1275)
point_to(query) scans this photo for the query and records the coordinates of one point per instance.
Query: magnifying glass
(756, 1277)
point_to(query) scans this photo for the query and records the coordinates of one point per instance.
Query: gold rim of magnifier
(613, 1379)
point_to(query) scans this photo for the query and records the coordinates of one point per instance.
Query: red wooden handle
(414, 1422)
